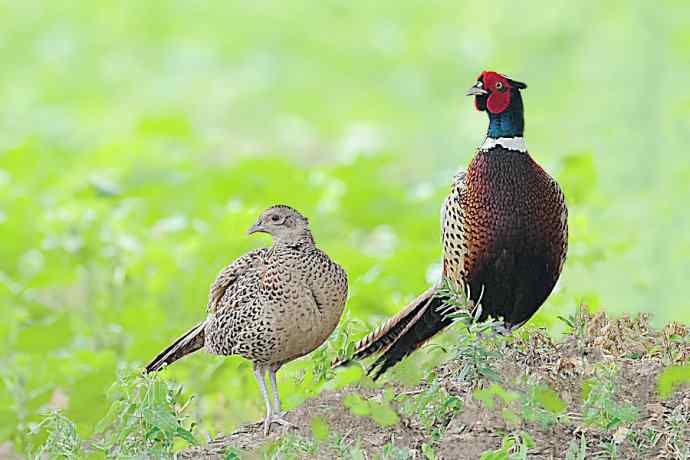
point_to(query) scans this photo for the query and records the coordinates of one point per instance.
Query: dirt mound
(592, 394)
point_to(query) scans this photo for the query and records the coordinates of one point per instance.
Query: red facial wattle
(499, 96)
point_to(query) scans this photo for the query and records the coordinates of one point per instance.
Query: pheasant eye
(275, 218)
(499, 85)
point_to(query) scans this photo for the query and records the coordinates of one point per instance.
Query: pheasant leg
(278, 415)
(271, 416)
(260, 375)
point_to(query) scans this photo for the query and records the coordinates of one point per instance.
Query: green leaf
(550, 400)
(672, 377)
(383, 414)
(319, 428)
(428, 451)
(186, 435)
(356, 404)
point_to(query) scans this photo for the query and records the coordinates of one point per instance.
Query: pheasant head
(500, 97)
(283, 223)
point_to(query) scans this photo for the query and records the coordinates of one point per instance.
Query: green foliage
(476, 345)
(541, 404)
(291, 446)
(428, 452)
(678, 431)
(433, 407)
(644, 440)
(232, 454)
(514, 446)
(339, 346)
(145, 418)
(577, 449)
(319, 428)
(576, 323)
(494, 392)
(671, 377)
(391, 451)
(62, 438)
(381, 412)
(600, 407)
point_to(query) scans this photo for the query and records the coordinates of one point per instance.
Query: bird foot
(278, 418)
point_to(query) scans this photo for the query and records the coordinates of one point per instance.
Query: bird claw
(268, 421)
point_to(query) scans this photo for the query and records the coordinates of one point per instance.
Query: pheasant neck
(506, 128)
(303, 239)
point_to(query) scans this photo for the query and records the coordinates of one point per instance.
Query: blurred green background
(141, 139)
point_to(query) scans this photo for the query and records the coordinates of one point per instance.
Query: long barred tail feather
(188, 343)
(386, 334)
(427, 322)
(403, 333)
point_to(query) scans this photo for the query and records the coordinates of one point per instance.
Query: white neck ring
(509, 143)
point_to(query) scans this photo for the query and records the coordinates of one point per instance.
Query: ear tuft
(517, 84)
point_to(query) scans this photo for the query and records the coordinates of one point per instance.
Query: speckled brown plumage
(272, 305)
(504, 234)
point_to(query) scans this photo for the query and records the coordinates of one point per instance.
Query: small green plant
(232, 454)
(577, 449)
(145, 418)
(428, 451)
(341, 446)
(576, 323)
(291, 446)
(63, 440)
(434, 408)
(643, 441)
(542, 405)
(600, 407)
(393, 452)
(381, 412)
(609, 449)
(677, 427)
(514, 446)
(476, 346)
(339, 346)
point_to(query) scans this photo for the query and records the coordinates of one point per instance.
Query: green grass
(141, 139)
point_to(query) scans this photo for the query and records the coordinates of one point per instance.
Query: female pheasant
(271, 306)
(504, 229)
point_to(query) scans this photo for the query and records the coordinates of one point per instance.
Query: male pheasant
(271, 306)
(504, 229)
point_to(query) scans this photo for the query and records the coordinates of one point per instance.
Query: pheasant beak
(256, 228)
(476, 91)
